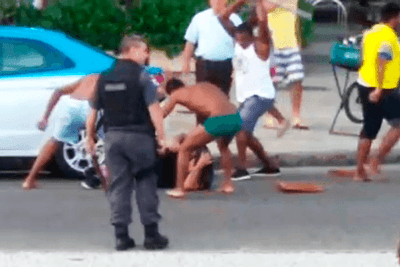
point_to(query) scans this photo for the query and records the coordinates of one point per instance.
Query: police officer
(132, 116)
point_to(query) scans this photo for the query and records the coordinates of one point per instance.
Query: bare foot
(227, 188)
(373, 167)
(283, 128)
(297, 124)
(176, 193)
(361, 177)
(29, 185)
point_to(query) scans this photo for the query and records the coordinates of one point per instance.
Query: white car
(33, 63)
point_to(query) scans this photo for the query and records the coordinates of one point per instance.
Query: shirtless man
(221, 120)
(71, 112)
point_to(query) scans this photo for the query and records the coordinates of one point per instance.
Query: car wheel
(72, 159)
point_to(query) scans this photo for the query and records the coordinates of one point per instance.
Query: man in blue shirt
(212, 46)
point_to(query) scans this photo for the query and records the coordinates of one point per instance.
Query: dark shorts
(216, 72)
(374, 113)
(223, 126)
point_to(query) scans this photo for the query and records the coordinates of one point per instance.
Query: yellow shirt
(380, 40)
(282, 24)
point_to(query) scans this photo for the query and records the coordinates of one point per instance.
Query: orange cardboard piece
(298, 187)
(342, 173)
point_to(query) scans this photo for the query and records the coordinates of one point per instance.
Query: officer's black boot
(153, 239)
(123, 241)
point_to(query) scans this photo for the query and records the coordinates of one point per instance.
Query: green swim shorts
(227, 125)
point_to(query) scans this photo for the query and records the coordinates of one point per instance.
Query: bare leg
(389, 141)
(227, 186)
(45, 155)
(364, 146)
(242, 142)
(274, 112)
(257, 148)
(195, 139)
(297, 96)
(284, 124)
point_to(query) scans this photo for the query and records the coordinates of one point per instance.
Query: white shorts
(288, 66)
(69, 118)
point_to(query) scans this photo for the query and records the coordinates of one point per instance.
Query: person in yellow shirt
(378, 80)
(289, 68)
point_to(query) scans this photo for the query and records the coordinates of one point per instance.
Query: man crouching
(221, 122)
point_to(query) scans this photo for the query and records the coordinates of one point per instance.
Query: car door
(30, 71)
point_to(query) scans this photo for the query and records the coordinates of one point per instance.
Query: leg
(121, 186)
(195, 139)
(389, 141)
(257, 148)
(297, 95)
(241, 142)
(284, 124)
(227, 186)
(45, 155)
(364, 146)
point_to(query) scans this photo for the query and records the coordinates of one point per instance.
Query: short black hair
(173, 84)
(245, 28)
(390, 11)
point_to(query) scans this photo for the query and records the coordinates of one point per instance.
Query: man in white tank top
(254, 87)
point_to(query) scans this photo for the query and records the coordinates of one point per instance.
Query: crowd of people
(224, 46)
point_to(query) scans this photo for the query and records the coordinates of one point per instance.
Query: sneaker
(88, 186)
(239, 175)
(267, 172)
(158, 242)
(124, 244)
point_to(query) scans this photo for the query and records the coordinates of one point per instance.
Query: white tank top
(252, 75)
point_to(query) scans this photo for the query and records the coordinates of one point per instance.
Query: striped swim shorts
(288, 66)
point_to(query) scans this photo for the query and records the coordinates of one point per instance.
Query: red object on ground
(298, 187)
(342, 173)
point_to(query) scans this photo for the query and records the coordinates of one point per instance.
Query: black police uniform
(124, 92)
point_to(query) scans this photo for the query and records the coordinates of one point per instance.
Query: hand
(205, 159)
(42, 125)
(375, 95)
(91, 146)
(162, 147)
(268, 7)
(174, 147)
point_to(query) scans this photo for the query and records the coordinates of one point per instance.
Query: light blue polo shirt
(213, 42)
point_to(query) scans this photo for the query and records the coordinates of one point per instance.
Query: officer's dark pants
(130, 158)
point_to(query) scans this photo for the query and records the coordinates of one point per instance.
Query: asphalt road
(61, 216)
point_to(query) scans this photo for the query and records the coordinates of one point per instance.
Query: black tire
(352, 104)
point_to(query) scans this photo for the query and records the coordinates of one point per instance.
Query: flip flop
(298, 187)
(300, 127)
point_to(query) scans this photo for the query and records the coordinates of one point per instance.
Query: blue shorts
(69, 119)
(252, 109)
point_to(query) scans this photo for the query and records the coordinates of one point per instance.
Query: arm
(385, 55)
(187, 56)
(263, 41)
(224, 17)
(91, 131)
(54, 100)
(156, 115)
(169, 106)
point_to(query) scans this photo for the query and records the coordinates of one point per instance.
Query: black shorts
(216, 72)
(388, 108)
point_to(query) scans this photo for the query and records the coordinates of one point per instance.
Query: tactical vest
(122, 98)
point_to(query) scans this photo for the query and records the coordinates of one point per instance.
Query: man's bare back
(204, 99)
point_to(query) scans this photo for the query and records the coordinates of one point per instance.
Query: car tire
(72, 159)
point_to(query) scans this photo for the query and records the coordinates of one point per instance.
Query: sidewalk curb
(311, 159)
